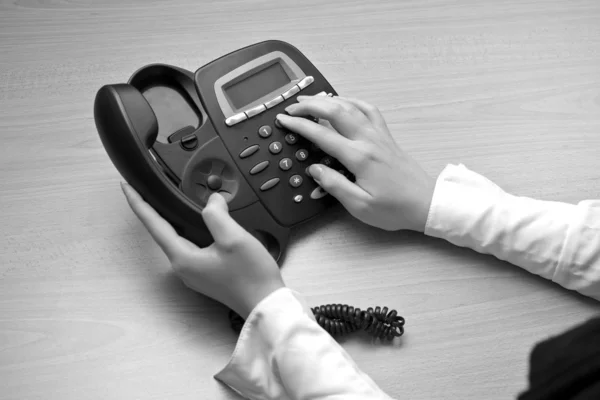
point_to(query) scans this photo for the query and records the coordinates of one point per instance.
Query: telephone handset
(178, 136)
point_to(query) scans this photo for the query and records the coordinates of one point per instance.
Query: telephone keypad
(284, 156)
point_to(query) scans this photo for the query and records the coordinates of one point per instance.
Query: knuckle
(232, 244)
(181, 265)
(365, 154)
(362, 208)
(342, 109)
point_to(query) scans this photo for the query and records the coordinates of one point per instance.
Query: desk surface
(88, 307)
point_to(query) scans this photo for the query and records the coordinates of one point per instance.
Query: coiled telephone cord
(341, 319)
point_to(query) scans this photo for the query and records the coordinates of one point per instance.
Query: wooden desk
(88, 308)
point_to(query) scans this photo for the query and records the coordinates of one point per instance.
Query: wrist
(423, 201)
(257, 293)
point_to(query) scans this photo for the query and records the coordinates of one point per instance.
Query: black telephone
(178, 136)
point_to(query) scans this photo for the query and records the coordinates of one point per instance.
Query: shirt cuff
(557, 241)
(282, 353)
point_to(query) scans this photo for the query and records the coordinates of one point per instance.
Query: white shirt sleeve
(558, 241)
(282, 353)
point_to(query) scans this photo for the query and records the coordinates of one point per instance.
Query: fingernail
(281, 118)
(302, 97)
(316, 171)
(290, 107)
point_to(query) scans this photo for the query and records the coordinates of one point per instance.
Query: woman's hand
(392, 191)
(235, 270)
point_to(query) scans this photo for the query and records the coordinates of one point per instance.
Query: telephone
(178, 136)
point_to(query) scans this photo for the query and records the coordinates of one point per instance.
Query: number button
(290, 138)
(265, 131)
(296, 180)
(301, 155)
(327, 161)
(285, 164)
(275, 147)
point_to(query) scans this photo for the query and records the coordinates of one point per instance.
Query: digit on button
(290, 138)
(265, 131)
(301, 155)
(285, 164)
(275, 147)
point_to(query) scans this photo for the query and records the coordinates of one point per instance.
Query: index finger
(330, 141)
(343, 116)
(161, 231)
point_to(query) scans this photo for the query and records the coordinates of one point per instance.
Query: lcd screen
(257, 85)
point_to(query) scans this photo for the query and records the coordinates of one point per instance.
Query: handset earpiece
(128, 129)
(122, 107)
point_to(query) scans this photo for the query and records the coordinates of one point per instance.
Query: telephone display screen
(257, 85)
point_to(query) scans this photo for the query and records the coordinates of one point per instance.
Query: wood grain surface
(88, 306)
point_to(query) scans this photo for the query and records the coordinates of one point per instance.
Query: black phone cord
(341, 319)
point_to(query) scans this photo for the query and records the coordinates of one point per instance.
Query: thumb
(221, 225)
(349, 194)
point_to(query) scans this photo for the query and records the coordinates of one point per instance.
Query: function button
(298, 198)
(285, 164)
(291, 138)
(214, 182)
(236, 119)
(189, 142)
(305, 82)
(296, 180)
(273, 102)
(255, 110)
(289, 93)
(301, 155)
(249, 151)
(260, 167)
(265, 131)
(269, 184)
(185, 131)
(327, 161)
(318, 193)
(275, 147)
